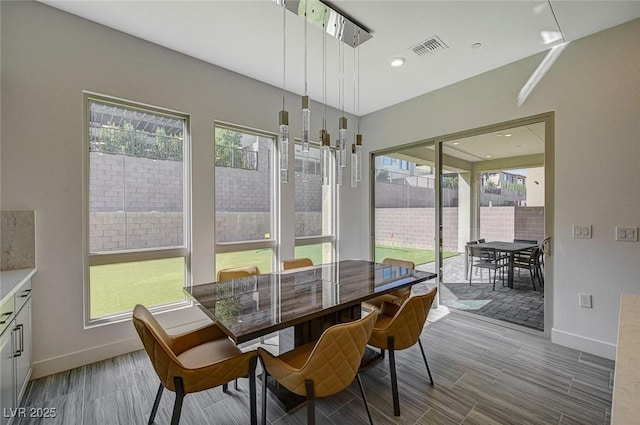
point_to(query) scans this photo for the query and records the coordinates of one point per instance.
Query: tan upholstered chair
(193, 361)
(398, 328)
(323, 368)
(237, 272)
(296, 263)
(395, 297)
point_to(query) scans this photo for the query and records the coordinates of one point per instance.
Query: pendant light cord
(553, 12)
(284, 49)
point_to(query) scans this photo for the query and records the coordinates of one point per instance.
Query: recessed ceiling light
(476, 45)
(487, 156)
(399, 61)
(456, 143)
(507, 135)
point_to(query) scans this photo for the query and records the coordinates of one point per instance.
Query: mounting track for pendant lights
(340, 25)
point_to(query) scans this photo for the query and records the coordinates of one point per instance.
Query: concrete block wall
(529, 223)
(497, 223)
(112, 231)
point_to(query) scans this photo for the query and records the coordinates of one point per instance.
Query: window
(315, 209)
(138, 226)
(245, 193)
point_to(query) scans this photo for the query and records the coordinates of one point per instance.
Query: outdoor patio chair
(531, 262)
(487, 258)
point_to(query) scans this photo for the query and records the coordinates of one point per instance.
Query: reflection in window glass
(243, 184)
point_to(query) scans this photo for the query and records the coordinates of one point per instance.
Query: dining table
(250, 307)
(306, 300)
(509, 248)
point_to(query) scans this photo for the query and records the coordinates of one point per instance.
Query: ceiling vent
(431, 46)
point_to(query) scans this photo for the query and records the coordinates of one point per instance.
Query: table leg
(510, 274)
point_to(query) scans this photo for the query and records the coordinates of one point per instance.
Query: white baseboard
(588, 345)
(96, 354)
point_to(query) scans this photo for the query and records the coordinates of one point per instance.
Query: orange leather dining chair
(296, 263)
(395, 297)
(193, 361)
(399, 328)
(323, 368)
(237, 272)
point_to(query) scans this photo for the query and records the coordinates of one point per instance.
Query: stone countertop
(626, 389)
(10, 281)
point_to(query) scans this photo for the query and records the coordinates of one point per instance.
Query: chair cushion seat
(297, 357)
(210, 352)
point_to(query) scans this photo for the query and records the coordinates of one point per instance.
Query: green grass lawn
(117, 288)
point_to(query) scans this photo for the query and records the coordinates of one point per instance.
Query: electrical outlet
(584, 300)
(582, 231)
(627, 234)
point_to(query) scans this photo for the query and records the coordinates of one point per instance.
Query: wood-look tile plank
(115, 408)
(54, 386)
(490, 393)
(552, 400)
(434, 417)
(488, 413)
(68, 410)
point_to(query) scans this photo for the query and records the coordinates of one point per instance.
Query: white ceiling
(246, 37)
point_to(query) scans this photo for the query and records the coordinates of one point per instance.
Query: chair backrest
(237, 272)
(531, 241)
(483, 240)
(336, 357)
(407, 323)
(487, 254)
(399, 263)
(296, 263)
(157, 344)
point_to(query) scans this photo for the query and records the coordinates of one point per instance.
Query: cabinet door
(23, 344)
(7, 387)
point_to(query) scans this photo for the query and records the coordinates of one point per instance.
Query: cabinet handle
(6, 314)
(20, 350)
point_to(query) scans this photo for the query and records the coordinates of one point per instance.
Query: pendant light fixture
(283, 116)
(341, 141)
(306, 111)
(325, 138)
(357, 147)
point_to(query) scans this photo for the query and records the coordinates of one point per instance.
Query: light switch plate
(582, 231)
(626, 234)
(584, 300)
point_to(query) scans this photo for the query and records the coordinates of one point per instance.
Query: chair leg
(225, 387)
(426, 363)
(364, 398)
(252, 390)
(394, 378)
(382, 353)
(177, 407)
(156, 403)
(311, 404)
(265, 376)
(533, 281)
(236, 385)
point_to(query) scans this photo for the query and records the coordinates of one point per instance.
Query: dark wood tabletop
(250, 307)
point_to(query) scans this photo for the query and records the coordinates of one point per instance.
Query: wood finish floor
(484, 375)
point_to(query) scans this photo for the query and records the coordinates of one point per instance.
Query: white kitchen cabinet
(15, 347)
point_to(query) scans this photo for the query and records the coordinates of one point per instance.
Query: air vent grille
(431, 45)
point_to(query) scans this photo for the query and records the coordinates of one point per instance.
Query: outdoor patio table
(510, 248)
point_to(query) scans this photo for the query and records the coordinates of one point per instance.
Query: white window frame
(135, 255)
